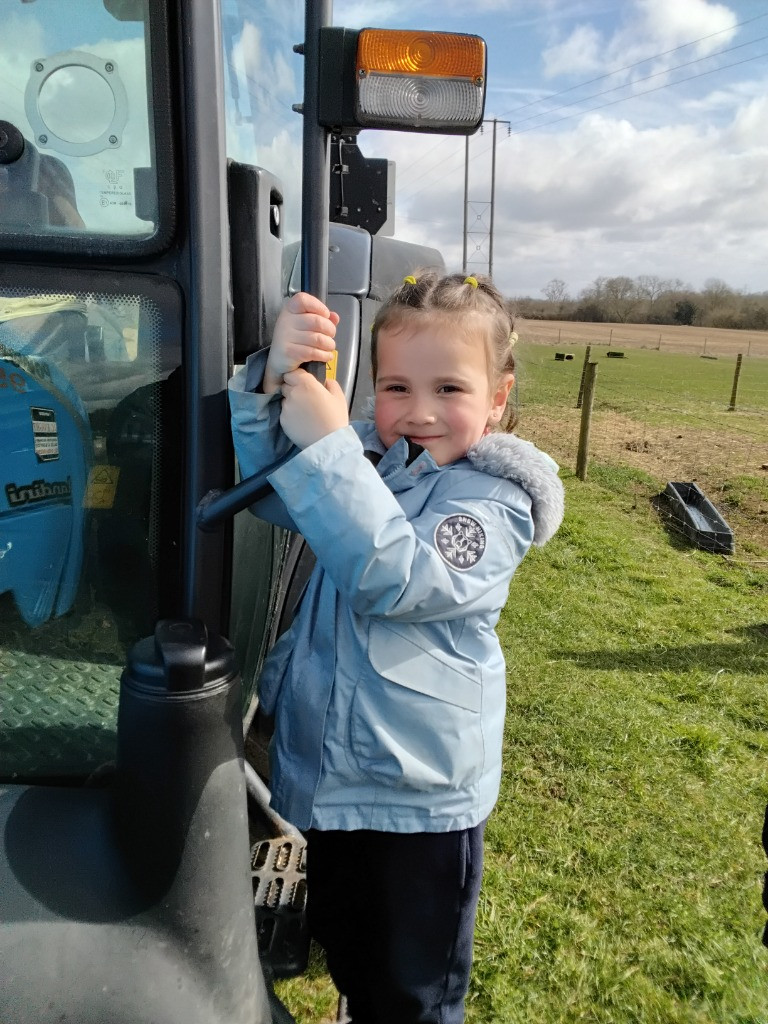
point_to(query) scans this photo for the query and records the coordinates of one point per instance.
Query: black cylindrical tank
(133, 903)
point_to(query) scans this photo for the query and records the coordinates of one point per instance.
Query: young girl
(388, 690)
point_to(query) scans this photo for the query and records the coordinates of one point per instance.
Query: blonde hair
(426, 293)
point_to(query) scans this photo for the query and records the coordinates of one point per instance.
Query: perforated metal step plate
(279, 871)
(58, 717)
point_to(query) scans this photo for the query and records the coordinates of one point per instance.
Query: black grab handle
(218, 505)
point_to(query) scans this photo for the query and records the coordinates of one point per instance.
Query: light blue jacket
(388, 690)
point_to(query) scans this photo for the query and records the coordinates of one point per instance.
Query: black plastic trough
(698, 519)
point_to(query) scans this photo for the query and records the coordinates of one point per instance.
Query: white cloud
(581, 53)
(666, 200)
(747, 130)
(647, 30)
(261, 67)
(673, 24)
(605, 197)
(22, 42)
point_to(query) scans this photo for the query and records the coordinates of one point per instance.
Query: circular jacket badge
(460, 541)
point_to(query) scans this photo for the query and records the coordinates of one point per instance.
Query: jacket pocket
(416, 718)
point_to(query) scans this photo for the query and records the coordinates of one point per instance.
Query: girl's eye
(449, 389)
(398, 388)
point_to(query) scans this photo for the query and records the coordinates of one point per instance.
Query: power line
(628, 67)
(602, 106)
(643, 92)
(637, 81)
(608, 74)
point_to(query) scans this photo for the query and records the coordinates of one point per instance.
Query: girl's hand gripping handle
(304, 333)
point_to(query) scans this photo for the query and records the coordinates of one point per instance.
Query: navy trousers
(395, 914)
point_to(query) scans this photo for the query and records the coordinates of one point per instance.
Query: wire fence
(706, 342)
(657, 420)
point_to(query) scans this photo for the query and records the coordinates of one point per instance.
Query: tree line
(649, 299)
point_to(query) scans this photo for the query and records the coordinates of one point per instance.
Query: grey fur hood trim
(513, 458)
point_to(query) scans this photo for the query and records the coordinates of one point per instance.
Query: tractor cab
(159, 197)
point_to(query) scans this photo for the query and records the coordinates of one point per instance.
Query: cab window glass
(90, 401)
(76, 139)
(263, 79)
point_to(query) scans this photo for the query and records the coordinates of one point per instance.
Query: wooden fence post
(735, 388)
(583, 374)
(582, 455)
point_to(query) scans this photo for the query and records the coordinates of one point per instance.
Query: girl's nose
(421, 412)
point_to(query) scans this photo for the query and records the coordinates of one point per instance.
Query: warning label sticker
(102, 485)
(45, 433)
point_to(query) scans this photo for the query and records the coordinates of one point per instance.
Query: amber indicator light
(438, 54)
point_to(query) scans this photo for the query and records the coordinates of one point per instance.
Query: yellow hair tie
(471, 280)
(410, 279)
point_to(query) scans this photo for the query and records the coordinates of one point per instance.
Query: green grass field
(658, 417)
(623, 863)
(647, 380)
(623, 878)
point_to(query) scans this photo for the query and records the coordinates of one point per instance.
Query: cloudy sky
(632, 138)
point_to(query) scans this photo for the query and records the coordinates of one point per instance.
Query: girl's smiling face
(433, 386)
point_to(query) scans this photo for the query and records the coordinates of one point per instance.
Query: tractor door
(90, 370)
(125, 883)
(128, 129)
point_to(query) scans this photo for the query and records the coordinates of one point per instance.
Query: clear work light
(402, 80)
(425, 79)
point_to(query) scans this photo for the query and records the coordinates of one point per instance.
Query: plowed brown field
(701, 340)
